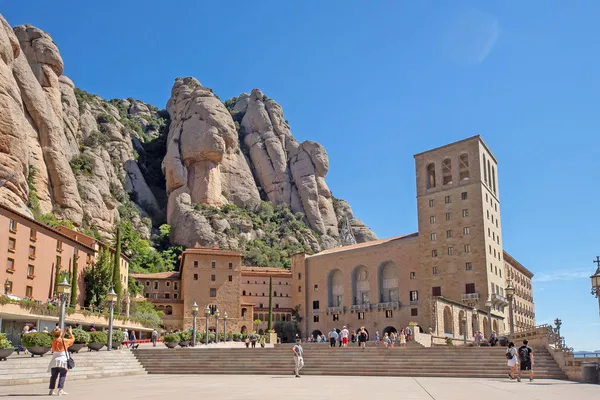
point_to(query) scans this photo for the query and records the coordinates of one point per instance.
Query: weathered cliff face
(227, 174)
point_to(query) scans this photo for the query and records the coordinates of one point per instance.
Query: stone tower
(460, 241)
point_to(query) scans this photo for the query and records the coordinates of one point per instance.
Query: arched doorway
(316, 333)
(244, 330)
(461, 324)
(389, 330)
(495, 326)
(448, 325)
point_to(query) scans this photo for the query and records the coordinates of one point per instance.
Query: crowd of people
(341, 338)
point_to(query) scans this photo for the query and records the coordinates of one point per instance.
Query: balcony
(389, 304)
(335, 310)
(414, 302)
(499, 299)
(469, 297)
(360, 307)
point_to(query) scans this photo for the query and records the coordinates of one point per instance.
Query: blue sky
(375, 83)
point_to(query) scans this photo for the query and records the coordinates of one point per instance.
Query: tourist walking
(23, 333)
(363, 337)
(376, 337)
(333, 337)
(493, 338)
(353, 338)
(386, 340)
(402, 338)
(131, 339)
(58, 363)
(345, 335)
(408, 334)
(525, 360)
(247, 342)
(253, 341)
(154, 337)
(478, 337)
(393, 339)
(298, 359)
(512, 361)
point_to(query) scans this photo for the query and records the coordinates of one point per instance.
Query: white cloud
(562, 276)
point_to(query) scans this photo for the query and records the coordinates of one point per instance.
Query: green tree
(74, 281)
(270, 321)
(145, 311)
(98, 279)
(116, 275)
(56, 276)
(257, 322)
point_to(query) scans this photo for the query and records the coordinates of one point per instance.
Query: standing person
(298, 359)
(362, 338)
(478, 337)
(154, 337)
(92, 329)
(23, 333)
(386, 340)
(402, 338)
(58, 364)
(33, 329)
(131, 339)
(526, 360)
(253, 341)
(247, 342)
(512, 362)
(333, 337)
(345, 335)
(408, 334)
(493, 339)
(376, 337)
(45, 330)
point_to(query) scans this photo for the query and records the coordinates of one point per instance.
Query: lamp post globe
(217, 314)
(207, 315)
(510, 293)
(64, 290)
(194, 315)
(111, 298)
(225, 326)
(596, 282)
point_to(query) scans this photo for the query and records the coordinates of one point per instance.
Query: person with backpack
(512, 361)
(526, 360)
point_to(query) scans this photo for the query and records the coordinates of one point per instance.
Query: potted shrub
(229, 336)
(212, 337)
(6, 347)
(97, 340)
(38, 343)
(185, 337)
(117, 339)
(200, 337)
(81, 339)
(237, 337)
(449, 341)
(172, 340)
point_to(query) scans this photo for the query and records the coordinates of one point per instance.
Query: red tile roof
(364, 244)
(157, 275)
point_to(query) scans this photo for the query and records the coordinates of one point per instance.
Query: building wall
(51, 249)
(320, 277)
(524, 307)
(465, 206)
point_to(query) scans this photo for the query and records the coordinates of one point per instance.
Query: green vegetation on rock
(82, 163)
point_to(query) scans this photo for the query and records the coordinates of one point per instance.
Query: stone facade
(520, 278)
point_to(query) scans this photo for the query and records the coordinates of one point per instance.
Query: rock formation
(234, 175)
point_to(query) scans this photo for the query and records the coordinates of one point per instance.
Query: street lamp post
(488, 305)
(64, 291)
(7, 286)
(217, 313)
(558, 323)
(111, 297)
(206, 314)
(225, 326)
(194, 314)
(510, 294)
(596, 282)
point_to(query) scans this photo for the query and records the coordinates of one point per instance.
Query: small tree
(257, 322)
(98, 279)
(270, 321)
(56, 276)
(116, 276)
(74, 281)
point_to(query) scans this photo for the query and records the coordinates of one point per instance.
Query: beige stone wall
(524, 307)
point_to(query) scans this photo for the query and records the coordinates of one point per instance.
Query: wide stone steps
(18, 370)
(319, 359)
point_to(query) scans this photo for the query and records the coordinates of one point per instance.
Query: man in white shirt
(298, 360)
(333, 337)
(344, 333)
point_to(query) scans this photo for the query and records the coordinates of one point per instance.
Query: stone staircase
(19, 370)
(413, 361)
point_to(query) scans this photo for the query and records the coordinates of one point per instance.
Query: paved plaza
(250, 387)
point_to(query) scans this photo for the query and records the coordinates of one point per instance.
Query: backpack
(524, 354)
(509, 355)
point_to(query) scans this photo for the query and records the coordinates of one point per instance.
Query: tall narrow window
(12, 244)
(467, 248)
(448, 216)
(448, 234)
(447, 200)
(489, 168)
(450, 251)
(435, 270)
(430, 176)
(433, 236)
(10, 265)
(494, 178)
(468, 266)
(464, 167)
(29, 291)
(32, 252)
(447, 171)
(436, 291)
(466, 230)
(33, 235)
(431, 203)
(485, 172)
(12, 225)
(464, 195)
(434, 253)
(432, 219)
(465, 212)
(469, 288)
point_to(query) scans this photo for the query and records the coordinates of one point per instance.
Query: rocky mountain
(228, 174)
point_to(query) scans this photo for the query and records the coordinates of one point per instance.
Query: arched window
(448, 323)
(464, 167)
(447, 171)
(494, 178)
(244, 311)
(335, 288)
(485, 173)
(430, 176)
(495, 326)
(168, 310)
(461, 324)
(489, 182)
(360, 286)
(387, 282)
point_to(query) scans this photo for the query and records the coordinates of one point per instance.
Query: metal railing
(389, 304)
(469, 297)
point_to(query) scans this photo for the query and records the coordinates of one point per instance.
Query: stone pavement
(248, 387)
